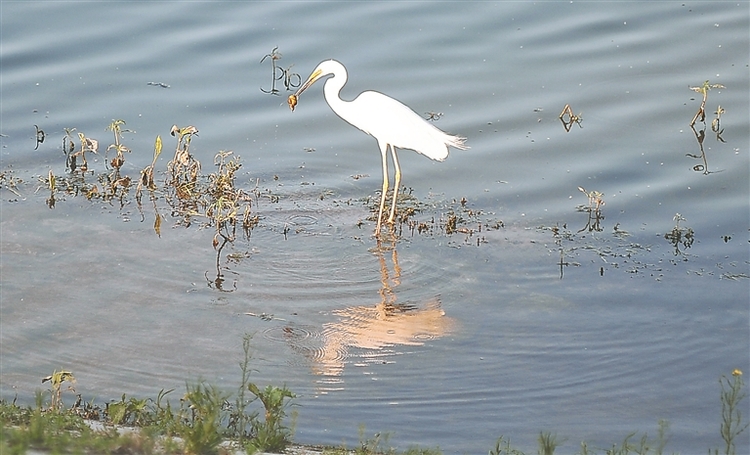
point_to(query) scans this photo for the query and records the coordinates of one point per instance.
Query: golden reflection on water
(375, 328)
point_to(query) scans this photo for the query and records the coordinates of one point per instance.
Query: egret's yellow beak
(292, 100)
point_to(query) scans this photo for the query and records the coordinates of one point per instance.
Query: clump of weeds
(56, 380)
(147, 181)
(225, 204)
(271, 435)
(594, 210)
(182, 174)
(10, 182)
(200, 418)
(87, 145)
(203, 422)
(684, 236)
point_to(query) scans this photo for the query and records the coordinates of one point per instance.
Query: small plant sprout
(596, 198)
(703, 90)
(56, 380)
(117, 146)
(596, 202)
(568, 118)
(52, 184)
(147, 181)
(147, 174)
(503, 447)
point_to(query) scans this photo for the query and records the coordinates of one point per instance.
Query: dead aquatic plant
(680, 236)
(68, 148)
(52, 184)
(226, 205)
(182, 176)
(703, 90)
(451, 222)
(114, 187)
(147, 181)
(87, 145)
(118, 147)
(147, 174)
(596, 201)
(10, 182)
(183, 169)
(568, 118)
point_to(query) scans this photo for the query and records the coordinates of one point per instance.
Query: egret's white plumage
(392, 123)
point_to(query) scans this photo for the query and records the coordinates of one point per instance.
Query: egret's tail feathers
(457, 142)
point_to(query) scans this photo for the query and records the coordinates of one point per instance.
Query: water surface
(536, 322)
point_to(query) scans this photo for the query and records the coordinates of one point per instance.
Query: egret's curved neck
(332, 93)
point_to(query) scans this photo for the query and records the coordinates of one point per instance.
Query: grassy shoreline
(207, 422)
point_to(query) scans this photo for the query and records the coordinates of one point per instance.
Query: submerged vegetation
(205, 422)
(223, 201)
(215, 199)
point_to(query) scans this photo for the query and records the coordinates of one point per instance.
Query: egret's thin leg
(397, 183)
(384, 153)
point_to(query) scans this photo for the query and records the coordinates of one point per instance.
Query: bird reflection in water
(374, 329)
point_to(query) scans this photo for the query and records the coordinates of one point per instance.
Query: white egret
(389, 121)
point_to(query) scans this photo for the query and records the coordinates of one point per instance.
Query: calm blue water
(487, 338)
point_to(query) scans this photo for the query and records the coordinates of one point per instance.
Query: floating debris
(568, 118)
(39, 137)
